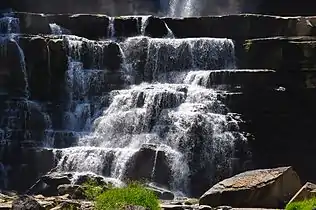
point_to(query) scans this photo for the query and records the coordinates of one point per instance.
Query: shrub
(133, 194)
(308, 204)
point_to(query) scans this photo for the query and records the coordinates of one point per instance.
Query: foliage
(92, 190)
(134, 194)
(247, 45)
(308, 204)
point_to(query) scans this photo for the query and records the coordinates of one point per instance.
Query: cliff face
(128, 7)
(110, 7)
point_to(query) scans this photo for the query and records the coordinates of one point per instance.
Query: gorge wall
(142, 98)
(162, 7)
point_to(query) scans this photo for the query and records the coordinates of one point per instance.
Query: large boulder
(265, 188)
(306, 192)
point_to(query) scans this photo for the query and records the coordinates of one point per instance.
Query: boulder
(26, 203)
(31, 23)
(306, 192)
(55, 179)
(265, 188)
(149, 164)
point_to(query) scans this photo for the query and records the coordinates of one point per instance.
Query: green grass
(117, 198)
(308, 204)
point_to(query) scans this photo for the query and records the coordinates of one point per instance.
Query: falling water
(179, 8)
(177, 115)
(111, 28)
(56, 29)
(9, 25)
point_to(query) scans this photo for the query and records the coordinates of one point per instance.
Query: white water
(177, 117)
(180, 8)
(56, 29)
(9, 25)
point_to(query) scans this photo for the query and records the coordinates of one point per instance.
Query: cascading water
(179, 8)
(185, 125)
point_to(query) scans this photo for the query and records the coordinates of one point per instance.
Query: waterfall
(169, 115)
(180, 8)
(56, 29)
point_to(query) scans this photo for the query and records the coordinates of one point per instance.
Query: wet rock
(292, 58)
(31, 23)
(266, 188)
(149, 163)
(125, 26)
(36, 54)
(161, 193)
(242, 26)
(91, 26)
(26, 203)
(155, 27)
(176, 207)
(55, 179)
(306, 192)
(75, 191)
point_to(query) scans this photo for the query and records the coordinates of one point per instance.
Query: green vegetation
(247, 45)
(117, 198)
(308, 204)
(92, 190)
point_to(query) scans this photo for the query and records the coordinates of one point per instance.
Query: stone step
(242, 26)
(233, 78)
(293, 58)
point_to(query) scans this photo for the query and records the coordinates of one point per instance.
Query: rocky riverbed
(257, 189)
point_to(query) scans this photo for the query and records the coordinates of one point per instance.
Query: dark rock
(141, 166)
(126, 26)
(266, 188)
(155, 27)
(306, 192)
(75, 191)
(12, 71)
(84, 25)
(36, 54)
(241, 27)
(31, 23)
(55, 179)
(26, 203)
(292, 58)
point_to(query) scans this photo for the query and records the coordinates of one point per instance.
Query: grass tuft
(134, 194)
(308, 204)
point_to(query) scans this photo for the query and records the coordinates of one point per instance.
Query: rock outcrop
(266, 188)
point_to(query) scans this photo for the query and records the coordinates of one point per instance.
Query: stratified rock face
(266, 188)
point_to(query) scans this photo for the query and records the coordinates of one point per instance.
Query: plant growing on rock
(92, 189)
(307, 204)
(134, 194)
